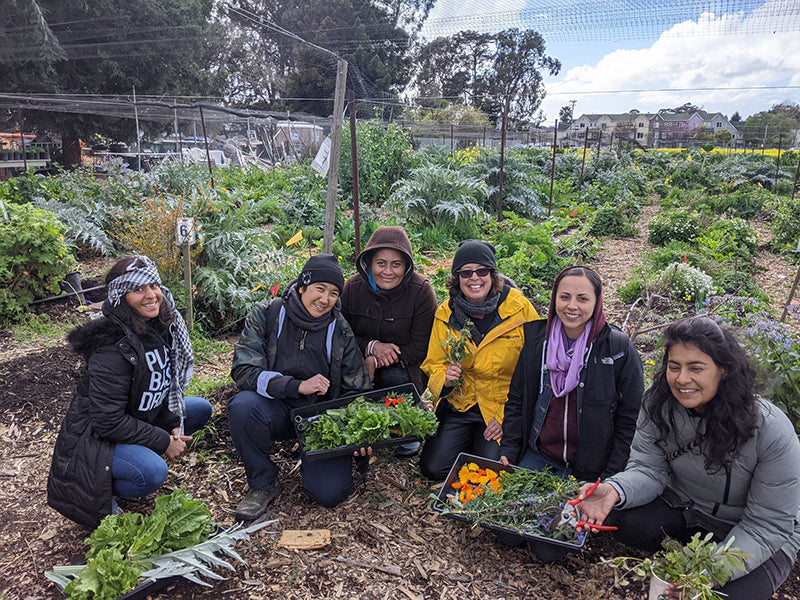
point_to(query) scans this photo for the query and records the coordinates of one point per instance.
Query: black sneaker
(255, 503)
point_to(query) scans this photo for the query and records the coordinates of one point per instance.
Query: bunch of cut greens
(697, 567)
(456, 347)
(365, 422)
(172, 541)
(528, 502)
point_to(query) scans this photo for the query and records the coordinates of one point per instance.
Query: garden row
(705, 245)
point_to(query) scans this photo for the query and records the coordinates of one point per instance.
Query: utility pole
(336, 145)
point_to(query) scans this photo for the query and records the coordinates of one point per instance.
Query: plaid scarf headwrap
(181, 352)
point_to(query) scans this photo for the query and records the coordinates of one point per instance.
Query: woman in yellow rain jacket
(470, 394)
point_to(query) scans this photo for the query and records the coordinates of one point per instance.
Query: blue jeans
(534, 461)
(137, 471)
(255, 422)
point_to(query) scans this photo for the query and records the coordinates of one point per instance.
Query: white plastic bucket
(657, 588)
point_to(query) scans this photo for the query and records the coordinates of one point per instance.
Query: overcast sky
(699, 60)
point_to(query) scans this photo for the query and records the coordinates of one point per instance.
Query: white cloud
(688, 56)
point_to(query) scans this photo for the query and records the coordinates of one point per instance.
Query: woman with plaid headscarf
(129, 410)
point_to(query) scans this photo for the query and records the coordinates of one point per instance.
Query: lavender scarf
(565, 363)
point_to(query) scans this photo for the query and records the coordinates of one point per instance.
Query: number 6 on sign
(185, 231)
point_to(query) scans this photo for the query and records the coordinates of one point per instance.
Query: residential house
(652, 129)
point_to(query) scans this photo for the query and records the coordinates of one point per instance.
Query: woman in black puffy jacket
(129, 411)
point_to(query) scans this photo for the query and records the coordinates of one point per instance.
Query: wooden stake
(187, 282)
(336, 145)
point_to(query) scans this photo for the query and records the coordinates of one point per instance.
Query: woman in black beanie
(295, 350)
(470, 396)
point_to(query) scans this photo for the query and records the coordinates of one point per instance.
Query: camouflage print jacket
(255, 352)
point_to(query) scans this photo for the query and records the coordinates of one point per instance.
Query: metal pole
(138, 137)
(22, 140)
(502, 163)
(205, 141)
(599, 137)
(553, 169)
(336, 145)
(484, 136)
(451, 139)
(778, 160)
(796, 177)
(351, 103)
(175, 122)
(583, 162)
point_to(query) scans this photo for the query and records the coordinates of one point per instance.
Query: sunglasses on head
(467, 273)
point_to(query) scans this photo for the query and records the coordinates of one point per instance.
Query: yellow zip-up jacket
(488, 369)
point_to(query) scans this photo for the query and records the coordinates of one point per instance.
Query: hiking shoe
(407, 450)
(255, 503)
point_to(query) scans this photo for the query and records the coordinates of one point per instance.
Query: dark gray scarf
(298, 314)
(463, 310)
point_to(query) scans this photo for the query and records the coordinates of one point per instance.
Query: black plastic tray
(544, 548)
(312, 410)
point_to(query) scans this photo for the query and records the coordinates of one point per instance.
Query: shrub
(785, 223)
(631, 291)
(783, 188)
(433, 195)
(521, 193)
(776, 349)
(611, 221)
(384, 156)
(745, 202)
(685, 282)
(673, 225)
(33, 258)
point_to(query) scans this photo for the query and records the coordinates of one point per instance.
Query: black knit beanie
(474, 251)
(322, 268)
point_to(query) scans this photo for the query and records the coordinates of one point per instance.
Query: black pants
(644, 527)
(458, 432)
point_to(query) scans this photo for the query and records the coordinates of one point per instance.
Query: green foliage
(121, 544)
(631, 291)
(745, 202)
(363, 422)
(106, 576)
(673, 225)
(775, 348)
(33, 259)
(528, 256)
(522, 193)
(432, 195)
(384, 156)
(699, 566)
(685, 282)
(785, 223)
(611, 221)
(40, 326)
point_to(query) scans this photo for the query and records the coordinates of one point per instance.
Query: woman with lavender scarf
(576, 391)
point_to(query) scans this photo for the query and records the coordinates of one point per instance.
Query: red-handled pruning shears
(570, 514)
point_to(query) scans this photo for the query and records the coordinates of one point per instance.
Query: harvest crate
(544, 548)
(302, 417)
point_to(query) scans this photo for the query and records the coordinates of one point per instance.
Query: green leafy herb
(106, 575)
(698, 566)
(366, 422)
(121, 544)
